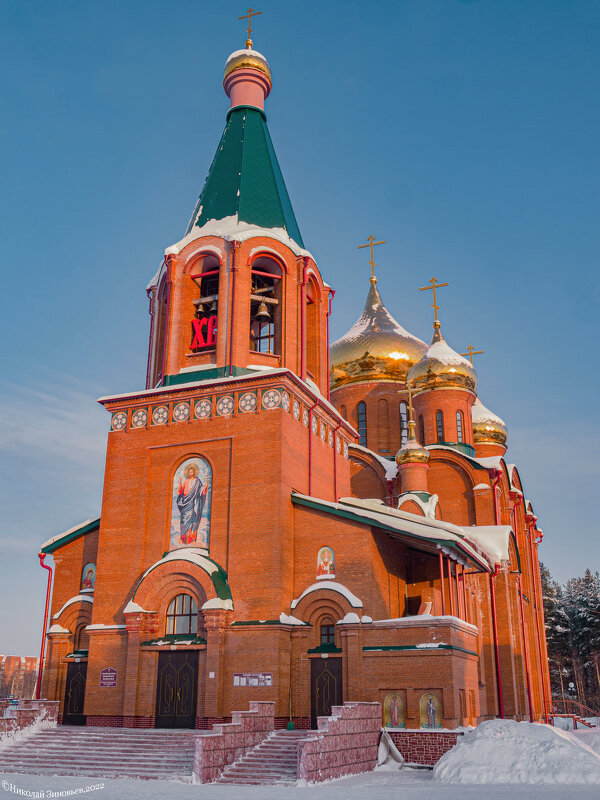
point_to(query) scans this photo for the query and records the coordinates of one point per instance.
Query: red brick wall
(424, 747)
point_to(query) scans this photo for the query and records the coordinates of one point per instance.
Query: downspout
(42, 558)
(496, 647)
(542, 617)
(339, 425)
(310, 435)
(443, 588)
(330, 299)
(303, 320)
(234, 247)
(525, 651)
(167, 336)
(537, 620)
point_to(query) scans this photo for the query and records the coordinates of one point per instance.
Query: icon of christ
(191, 496)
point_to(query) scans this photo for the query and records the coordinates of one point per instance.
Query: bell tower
(239, 292)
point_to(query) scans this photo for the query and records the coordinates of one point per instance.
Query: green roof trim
(326, 648)
(462, 447)
(204, 375)
(413, 647)
(245, 178)
(174, 638)
(70, 536)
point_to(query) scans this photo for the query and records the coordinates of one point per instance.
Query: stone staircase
(275, 760)
(104, 753)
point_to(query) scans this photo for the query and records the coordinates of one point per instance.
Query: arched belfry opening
(313, 329)
(266, 306)
(205, 312)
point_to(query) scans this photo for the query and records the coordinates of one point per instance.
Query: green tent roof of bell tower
(245, 180)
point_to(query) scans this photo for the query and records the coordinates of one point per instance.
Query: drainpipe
(310, 435)
(339, 425)
(303, 319)
(536, 600)
(525, 651)
(167, 336)
(443, 588)
(234, 247)
(42, 558)
(330, 299)
(150, 337)
(496, 647)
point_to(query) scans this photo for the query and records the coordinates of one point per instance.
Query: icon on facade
(325, 563)
(394, 711)
(190, 509)
(430, 711)
(88, 576)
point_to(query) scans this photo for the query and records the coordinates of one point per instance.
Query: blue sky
(464, 133)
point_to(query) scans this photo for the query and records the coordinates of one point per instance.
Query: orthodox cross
(251, 13)
(470, 352)
(371, 243)
(433, 287)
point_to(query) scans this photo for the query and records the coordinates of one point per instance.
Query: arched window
(403, 424)
(82, 637)
(265, 306)
(313, 336)
(439, 425)
(383, 425)
(159, 334)
(182, 615)
(422, 429)
(327, 631)
(204, 323)
(361, 411)
(460, 437)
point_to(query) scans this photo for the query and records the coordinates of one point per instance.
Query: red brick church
(281, 520)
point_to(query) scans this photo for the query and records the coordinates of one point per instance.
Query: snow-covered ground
(406, 784)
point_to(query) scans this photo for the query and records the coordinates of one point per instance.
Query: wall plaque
(253, 679)
(108, 677)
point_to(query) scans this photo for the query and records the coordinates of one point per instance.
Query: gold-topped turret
(411, 452)
(488, 428)
(441, 367)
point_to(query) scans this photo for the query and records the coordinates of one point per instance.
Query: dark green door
(325, 687)
(75, 694)
(176, 689)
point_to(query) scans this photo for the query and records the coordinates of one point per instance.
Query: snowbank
(42, 723)
(504, 751)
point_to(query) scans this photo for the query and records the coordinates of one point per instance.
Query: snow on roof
(287, 619)
(351, 618)
(193, 555)
(100, 626)
(479, 413)
(482, 486)
(446, 355)
(428, 507)
(233, 229)
(245, 52)
(67, 533)
(335, 587)
(156, 277)
(134, 608)
(56, 628)
(217, 602)
(492, 539)
(390, 467)
(84, 598)
(425, 620)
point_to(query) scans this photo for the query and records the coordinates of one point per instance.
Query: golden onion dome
(412, 453)
(488, 428)
(376, 348)
(442, 367)
(247, 59)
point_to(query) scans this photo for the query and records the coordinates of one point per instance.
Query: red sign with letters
(204, 332)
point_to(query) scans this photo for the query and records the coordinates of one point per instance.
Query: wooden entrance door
(325, 687)
(176, 689)
(75, 694)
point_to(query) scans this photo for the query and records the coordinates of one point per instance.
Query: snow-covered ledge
(427, 621)
(84, 598)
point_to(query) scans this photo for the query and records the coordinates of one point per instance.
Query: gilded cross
(371, 243)
(432, 288)
(470, 352)
(251, 13)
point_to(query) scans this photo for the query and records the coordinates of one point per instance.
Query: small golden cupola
(442, 367)
(376, 348)
(489, 430)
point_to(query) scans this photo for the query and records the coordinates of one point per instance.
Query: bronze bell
(263, 311)
(213, 307)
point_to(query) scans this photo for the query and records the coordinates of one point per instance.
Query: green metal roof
(245, 178)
